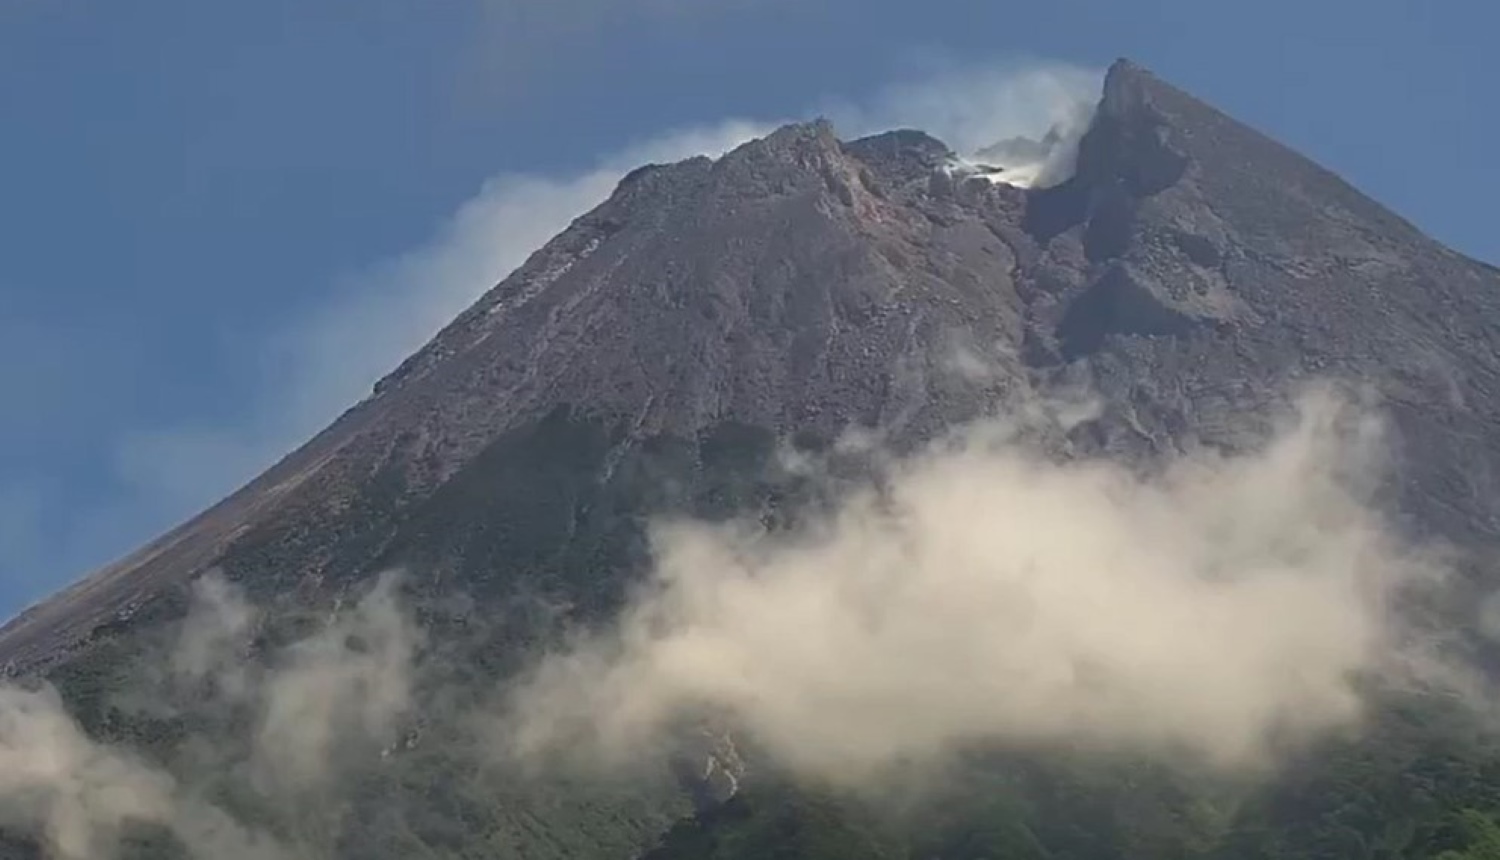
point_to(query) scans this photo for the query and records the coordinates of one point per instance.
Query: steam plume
(1026, 120)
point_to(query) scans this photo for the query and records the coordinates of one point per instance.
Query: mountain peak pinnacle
(1127, 88)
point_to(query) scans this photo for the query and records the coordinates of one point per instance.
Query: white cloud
(988, 595)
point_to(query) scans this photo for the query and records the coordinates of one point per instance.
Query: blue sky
(219, 221)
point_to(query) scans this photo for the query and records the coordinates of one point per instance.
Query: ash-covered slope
(790, 285)
(653, 356)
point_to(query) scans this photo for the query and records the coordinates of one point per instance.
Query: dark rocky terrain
(651, 358)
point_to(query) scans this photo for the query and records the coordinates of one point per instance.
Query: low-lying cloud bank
(1220, 607)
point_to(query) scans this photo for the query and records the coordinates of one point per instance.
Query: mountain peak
(818, 129)
(1125, 77)
(1155, 133)
(1132, 90)
(790, 142)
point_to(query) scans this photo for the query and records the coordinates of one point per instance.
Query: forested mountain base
(1411, 789)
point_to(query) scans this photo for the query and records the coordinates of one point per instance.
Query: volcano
(660, 356)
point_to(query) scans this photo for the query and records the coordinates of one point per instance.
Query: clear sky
(220, 220)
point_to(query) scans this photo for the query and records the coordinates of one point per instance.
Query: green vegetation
(1419, 786)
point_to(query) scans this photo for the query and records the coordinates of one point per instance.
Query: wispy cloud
(289, 729)
(974, 109)
(54, 780)
(318, 366)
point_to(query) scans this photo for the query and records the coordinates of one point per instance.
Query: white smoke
(1218, 608)
(1024, 120)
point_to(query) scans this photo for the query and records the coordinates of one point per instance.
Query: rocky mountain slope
(653, 357)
